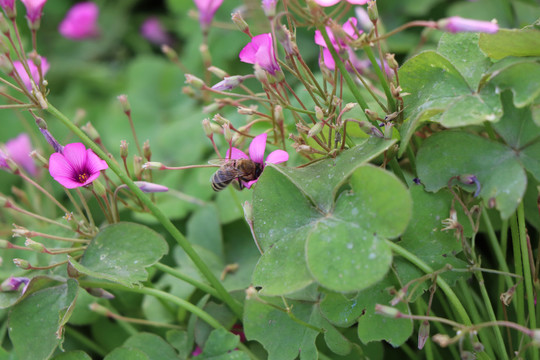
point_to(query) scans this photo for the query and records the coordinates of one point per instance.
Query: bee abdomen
(218, 183)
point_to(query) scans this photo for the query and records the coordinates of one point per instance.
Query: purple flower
(7, 5)
(14, 283)
(18, 149)
(153, 31)
(327, 3)
(19, 68)
(260, 51)
(456, 24)
(207, 9)
(33, 9)
(76, 167)
(256, 154)
(80, 22)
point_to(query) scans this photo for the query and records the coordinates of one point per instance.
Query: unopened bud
(207, 128)
(205, 54)
(506, 297)
(147, 152)
(39, 158)
(13, 283)
(319, 113)
(153, 165)
(229, 83)
(423, 334)
(34, 245)
(100, 309)
(194, 81)
(124, 149)
(391, 61)
(92, 133)
(221, 120)
(387, 311)
(4, 26)
(137, 166)
(315, 129)
(148, 187)
(348, 107)
(245, 111)
(372, 115)
(126, 107)
(284, 37)
(99, 188)
(227, 133)
(169, 52)
(248, 211)
(22, 264)
(240, 23)
(100, 293)
(278, 114)
(396, 91)
(218, 72)
(373, 13)
(237, 139)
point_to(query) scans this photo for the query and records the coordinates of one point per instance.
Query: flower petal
(94, 164)
(75, 155)
(235, 153)
(249, 184)
(68, 182)
(257, 147)
(326, 3)
(59, 167)
(277, 156)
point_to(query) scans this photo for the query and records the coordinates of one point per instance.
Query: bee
(242, 170)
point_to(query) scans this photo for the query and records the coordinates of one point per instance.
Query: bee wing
(217, 162)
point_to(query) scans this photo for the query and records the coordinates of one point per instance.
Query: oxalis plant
(367, 190)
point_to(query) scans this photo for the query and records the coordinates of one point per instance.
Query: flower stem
(180, 275)
(382, 78)
(235, 306)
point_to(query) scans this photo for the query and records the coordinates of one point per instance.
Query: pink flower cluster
(260, 51)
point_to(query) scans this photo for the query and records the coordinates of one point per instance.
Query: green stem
(234, 305)
(180, 275)
(443, 285)
(397, 170)
(518, 268)
(384, 82)
(527, 271)
(85, 341)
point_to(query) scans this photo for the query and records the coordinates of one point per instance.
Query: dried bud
(373, 13)
(137, 166)
(372, 115)
(278, 114)
(217, 71)
(506, 297)
(284, 37)
(194, 81)
(251, 293)
(22, 264)
(126, 107)
(220, 120)
(387, 311)
(153, 165)
(442, 339)
(391, 61)
(147, 152)
(302, 129)
(34, 245)
(99, 188)
(245, 111)
(100, 293)
(227, 133)
(124, 149)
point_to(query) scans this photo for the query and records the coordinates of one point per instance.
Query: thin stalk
(382, 77)
(443, 285)
(527, 271)
(12, 206)
(235, 306)
(180, 275)
(86, 208)
(518, 268)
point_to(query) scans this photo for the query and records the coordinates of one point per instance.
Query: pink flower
(256, 154)
(18, 149)
(33, 9)
(19, 68)
(7, 5)
(260, 51)
(76, 167)
(269, 7)
(456, 24)
(80, 22)
(207, 9)
(327, 3)
(153, 31)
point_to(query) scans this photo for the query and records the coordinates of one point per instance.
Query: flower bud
(13, 283)
(387, 311)
(147, 152)
(22, 264)
(148, 187)
(316, 129)
(456, 24)
(169, 52)
(372, 115)
(536, 336)
(218, 72)
(100, 293)
(278, 114)
(240, 23)
(194, 81)
(137, 166)
(34, 245)
(4, 244)
(302, 129)
(39, 158)
(123, 99)
(423, 334)
(153, 165)
(442, 339)
(251, 293)
(92, 133)
(229, 83)
(284, 37)
(373, 13)
(99, 188)
(227, 133)
(213, 107)
(245, 111)
(221, 120)
(123, 149)
(269, 8)
(4, 26)
(207, 128)
(391, 61)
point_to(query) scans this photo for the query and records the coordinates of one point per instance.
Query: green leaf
(121, 253)
(220, 345)
(522, 79)
(82, 315)
(513, 42)
(344, 249)
(41, 315)
(179, 340)
(463, 51)
(334, 339)
(448, 154)
(152, 345)
(73, 355)
(375, 327)
(281, 336)
(123, 353)
(203, 228)
(439, 92)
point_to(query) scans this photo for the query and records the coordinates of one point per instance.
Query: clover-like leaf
(511, 42)
(121, 253)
